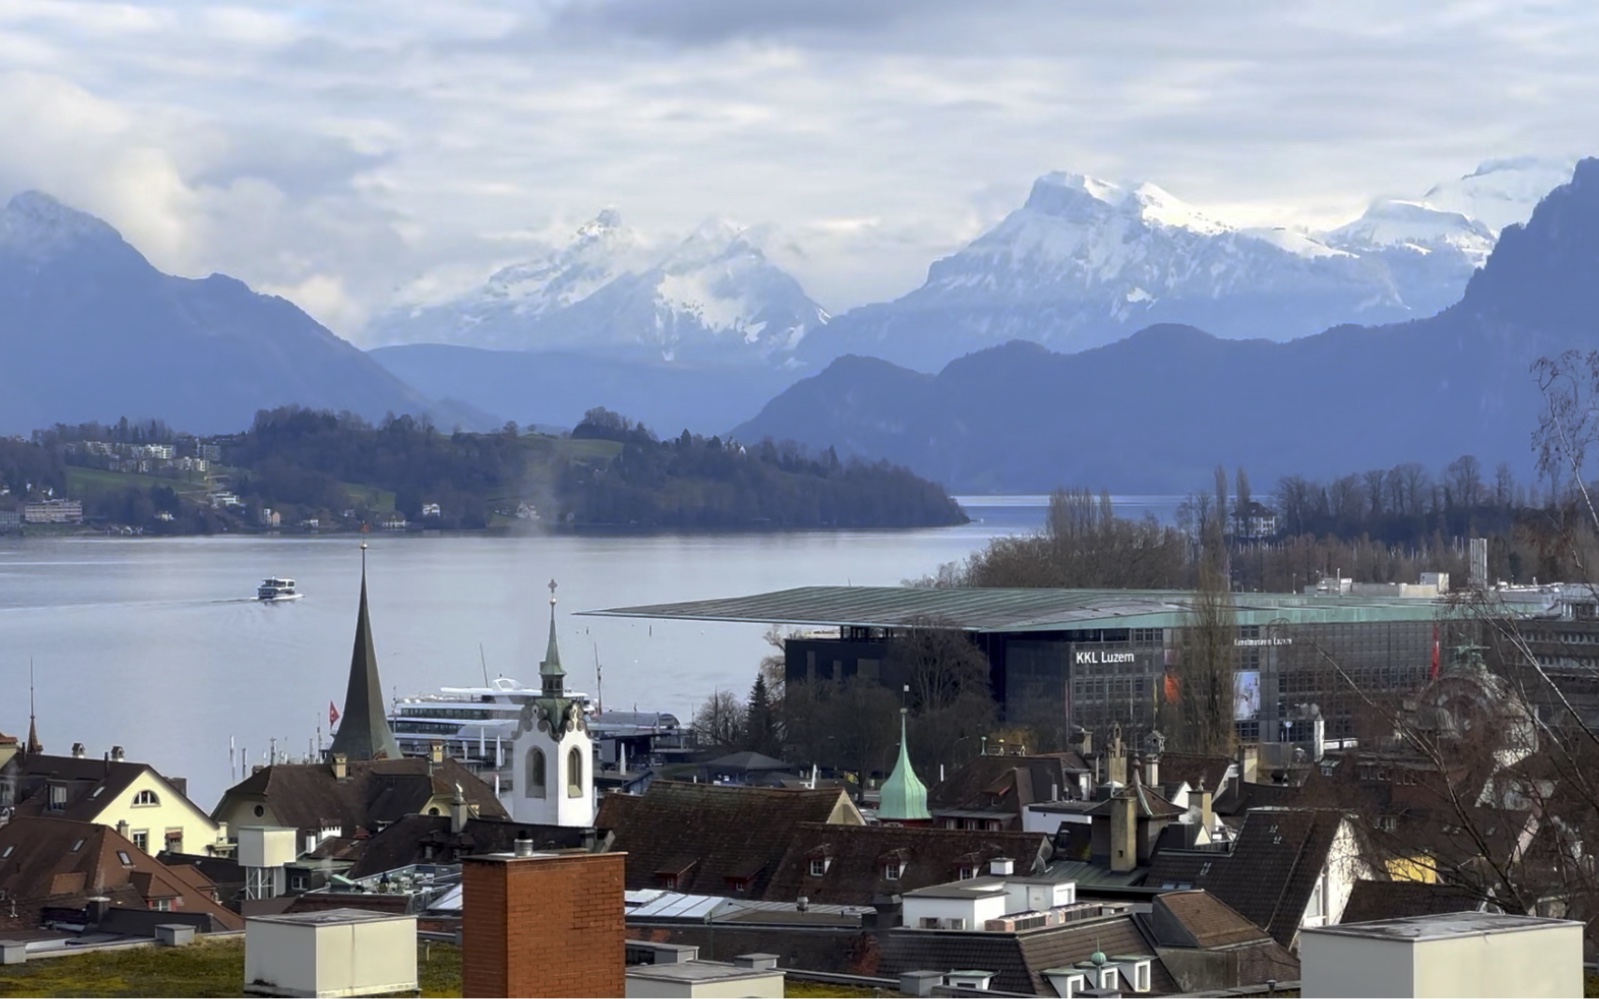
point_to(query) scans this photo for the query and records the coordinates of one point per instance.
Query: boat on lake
(277, 590)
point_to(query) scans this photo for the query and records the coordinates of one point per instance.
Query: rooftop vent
(78, 751)
(524, 846)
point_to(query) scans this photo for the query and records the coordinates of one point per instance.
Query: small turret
(904, 796)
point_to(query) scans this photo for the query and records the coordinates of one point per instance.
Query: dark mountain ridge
(1156, 411)
(91, 331)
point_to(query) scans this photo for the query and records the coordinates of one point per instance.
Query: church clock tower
(553, 756)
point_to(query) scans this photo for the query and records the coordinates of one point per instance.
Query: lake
(157, 645)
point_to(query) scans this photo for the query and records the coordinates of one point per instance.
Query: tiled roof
(1203, 921)
(1268, 875)
(91, 784)
(407, 841)
(1241, 797)
(1397, 899)
(1151, 804)
(1194, 769)
(60, 863)
(857, 855)
(1017, 959)
(710, 836)
(377, 792)
(1005, 784)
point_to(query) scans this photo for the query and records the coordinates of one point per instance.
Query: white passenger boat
(275, 590)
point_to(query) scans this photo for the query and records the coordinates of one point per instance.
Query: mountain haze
(91, 331)
(1157, 410)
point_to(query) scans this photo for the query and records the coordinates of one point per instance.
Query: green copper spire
(550, 669)
(904, 796)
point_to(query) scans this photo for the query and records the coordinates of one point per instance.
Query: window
(144, 798)
(161, 904)
(1141, 976)
(818, 867)
(574, 773)
(297, 882)
(127, 861)
(174, 841)
(260, 810)
(58, 797)
(535, 774)
(930, 922)
(893, 869)
(964, 873)
(738, 884)
(668, 881)
(141, 839)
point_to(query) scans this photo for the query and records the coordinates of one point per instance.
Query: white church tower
(553, 756)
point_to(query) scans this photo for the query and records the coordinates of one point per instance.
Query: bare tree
(719, 721)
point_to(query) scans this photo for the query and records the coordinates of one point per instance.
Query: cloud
(348, 155)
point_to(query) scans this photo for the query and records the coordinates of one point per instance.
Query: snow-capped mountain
(713, 296)
(1085, 261)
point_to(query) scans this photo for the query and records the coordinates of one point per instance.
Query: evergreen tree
(761, 723)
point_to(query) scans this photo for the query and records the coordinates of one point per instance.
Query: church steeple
(904, 796)
(550, 671)
(364, 732)
(33, 747)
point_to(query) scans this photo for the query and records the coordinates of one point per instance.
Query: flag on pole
(333, 715)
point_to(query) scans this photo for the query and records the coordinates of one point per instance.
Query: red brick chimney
(543, 924)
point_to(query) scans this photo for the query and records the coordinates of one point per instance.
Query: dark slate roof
(746, 761)
(407, 841)
(82, 776)
(857, 856)
(1005, 783)
(39, 869)
(376, 792)
(1017, 959)
(1241, 797)
(1397, 899)
(708, 834)
(1151, 804)
(364, 732)
(1269, 873)
(1199, 919)
(1194, 769)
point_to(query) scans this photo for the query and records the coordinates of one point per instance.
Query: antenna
(485, 661)
(599, 680)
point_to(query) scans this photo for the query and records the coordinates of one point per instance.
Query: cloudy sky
(349, 154)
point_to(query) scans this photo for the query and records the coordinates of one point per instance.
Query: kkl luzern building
(1092, 658)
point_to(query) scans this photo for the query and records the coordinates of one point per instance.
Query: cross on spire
(554, 677)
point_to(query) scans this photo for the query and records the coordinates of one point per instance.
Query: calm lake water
(157, 645)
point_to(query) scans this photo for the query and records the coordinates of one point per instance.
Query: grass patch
(207, 968)
(377, 500)
(83, 481)
(823, 990)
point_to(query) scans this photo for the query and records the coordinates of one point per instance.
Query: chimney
(341, 766)
(574, 946)
(122, 828)
(436, 751)
(803, 903)
(257, 768)
(524, 845)
(1249, 763)
(459, 812)
(1207, 813)
(1123, 833)
(97, 908)
(756, 962)
(117, 754)
(78, 751)
(1002, 867)
(1152, 770)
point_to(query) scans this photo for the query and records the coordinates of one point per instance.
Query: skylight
(122, 855)
(7, 851)
(77, 846)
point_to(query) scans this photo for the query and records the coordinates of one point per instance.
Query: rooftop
(1012, 610)
(1443, 927)
(697, 971)
(329, 917)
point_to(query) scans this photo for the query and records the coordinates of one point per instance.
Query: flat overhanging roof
(983, 610)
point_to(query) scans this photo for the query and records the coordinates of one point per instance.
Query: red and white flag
(333, 715)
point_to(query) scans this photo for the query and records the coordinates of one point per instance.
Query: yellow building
(151, 810)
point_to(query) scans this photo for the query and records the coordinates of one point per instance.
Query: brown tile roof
(1396, 899)
(410, 840)
(1017, 959)
(1269, 873)
(90, 784)
(1196, 918)
(857, 855)
(614, 810)
(708, 835)
(1005, 783)
(376, 792)
(1193, 769)
(39, 868)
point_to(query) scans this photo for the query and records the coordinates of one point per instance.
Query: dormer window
(58, 797)
(965, 873)
(893, 869)
(668, 881)
(145, 798)
(738, 884)
(818, 867)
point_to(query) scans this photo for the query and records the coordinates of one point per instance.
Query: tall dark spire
(550, 670)
(33, 747)
(364, 732)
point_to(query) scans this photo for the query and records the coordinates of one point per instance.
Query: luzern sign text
(1095, 658)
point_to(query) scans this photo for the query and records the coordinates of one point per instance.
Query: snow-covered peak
(1079, 199)
(1416, 226)
(38, 226)
(1502, 192)
(599, 251)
